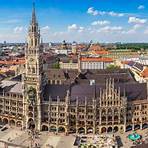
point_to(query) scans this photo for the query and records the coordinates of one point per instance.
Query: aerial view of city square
(74, 74)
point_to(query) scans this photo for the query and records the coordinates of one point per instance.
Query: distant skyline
(76, 20)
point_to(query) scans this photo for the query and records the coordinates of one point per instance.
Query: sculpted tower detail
(33, 77)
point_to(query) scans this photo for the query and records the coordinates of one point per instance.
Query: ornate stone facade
(71, 101)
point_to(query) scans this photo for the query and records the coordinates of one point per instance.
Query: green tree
(56, 65)
(112, 67)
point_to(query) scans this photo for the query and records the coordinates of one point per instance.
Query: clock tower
(33, 77)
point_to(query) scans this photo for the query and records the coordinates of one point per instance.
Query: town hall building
(71, 101)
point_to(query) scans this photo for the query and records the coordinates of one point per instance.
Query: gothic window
(115, 111)
(33, 70)
(30, 114)
(103, 118)
(30, 108)
(29, 69)
(116, 118)
(35, 42)
(103, 112)
(109, 111)
(109, 118)
(35, 29)
(31, 42)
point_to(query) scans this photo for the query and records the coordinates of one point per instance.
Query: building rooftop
(11, 86)
(79, 85)
(96, 59)
(133, 91)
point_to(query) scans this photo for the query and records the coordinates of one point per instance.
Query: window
(33, 70)
(35, 42)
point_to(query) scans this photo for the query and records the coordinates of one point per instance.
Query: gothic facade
(71, 101)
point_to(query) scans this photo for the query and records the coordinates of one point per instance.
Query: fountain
(134, 136)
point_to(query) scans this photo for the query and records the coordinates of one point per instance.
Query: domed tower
(33, 78)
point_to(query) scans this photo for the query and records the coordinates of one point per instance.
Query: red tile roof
(97, 49)
(11, 62)
(144, 73)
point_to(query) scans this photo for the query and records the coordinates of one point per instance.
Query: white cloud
(45, 29)
(72, 27)
(81, 29)
(137, 20)
(101, 23)
(75, 27)
(112, 13)
(140, 7)
(94, 12)
(18, 29)
(110, 29)
(137, 26)
(134, 29)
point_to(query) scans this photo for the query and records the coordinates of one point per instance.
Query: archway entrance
(5, 121)
(61, 129)
(53, 129)
(31, 124)
(116, 129)
(12, 123)
(103, 130)
(144, 126)
(72, 130)
(81, 130)
(136, 127)
(109, 130)
(128, 128)
(44, 128)
(90, 130)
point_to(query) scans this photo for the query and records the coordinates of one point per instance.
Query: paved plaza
(46, 140)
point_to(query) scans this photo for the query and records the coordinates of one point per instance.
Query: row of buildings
(71, 101)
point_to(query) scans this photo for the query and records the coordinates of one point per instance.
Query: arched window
(31, 42)
(34, 28)
(29, 70)
(33, 70)
(35, 42)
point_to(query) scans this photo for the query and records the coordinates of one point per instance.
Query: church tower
(33, 77)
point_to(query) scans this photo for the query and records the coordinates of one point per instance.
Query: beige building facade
(113, 102)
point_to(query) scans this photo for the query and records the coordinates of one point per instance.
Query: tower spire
(34, 32)
(33, 14)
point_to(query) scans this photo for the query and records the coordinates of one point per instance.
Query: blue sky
(76, 20)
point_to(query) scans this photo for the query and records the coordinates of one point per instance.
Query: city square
(16, 138)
